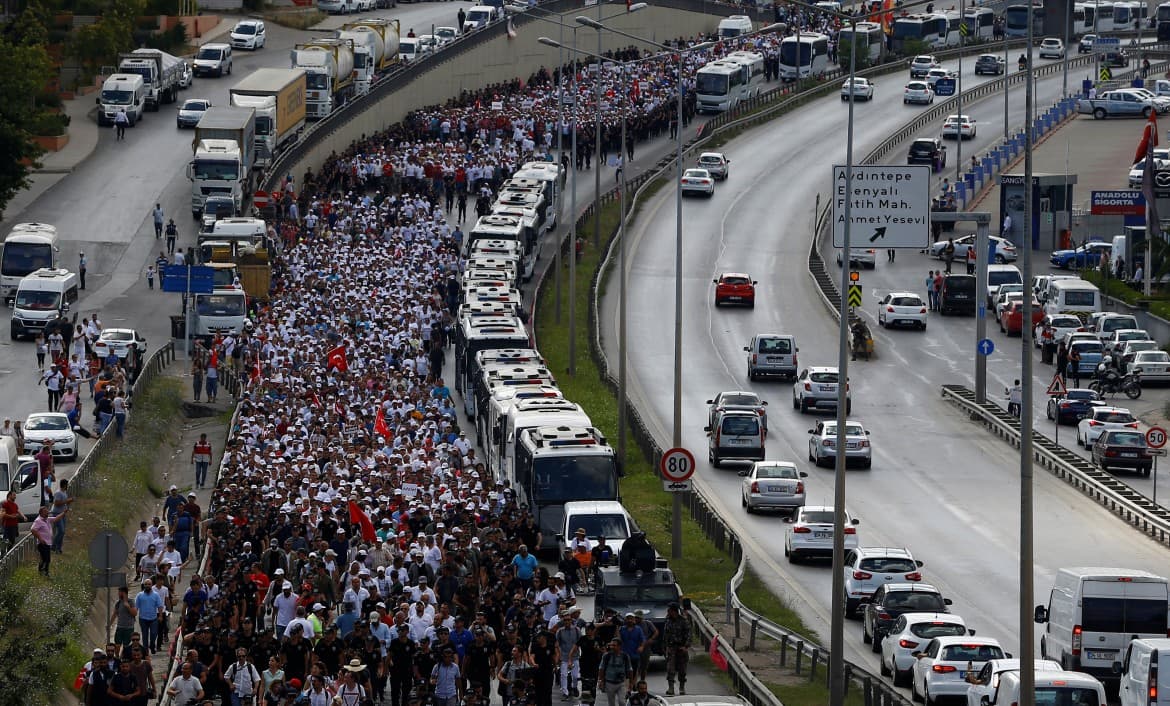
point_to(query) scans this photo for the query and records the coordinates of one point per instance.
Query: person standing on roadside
(158, 220)
(172, 235)
(42, 529)
(61, 502)
(931, 295)
(82, 266)
(11, 518)
(201, 457)
(120, 123)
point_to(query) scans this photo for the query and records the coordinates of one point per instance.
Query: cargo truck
(278, 97)
(387, 33)
(161, 72)
(224, 152)
(328, 65)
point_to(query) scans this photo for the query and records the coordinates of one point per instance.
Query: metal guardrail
(1107, 491)
(743, 681)
(82, 479)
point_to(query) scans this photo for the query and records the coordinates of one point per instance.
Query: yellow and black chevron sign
(854, 296)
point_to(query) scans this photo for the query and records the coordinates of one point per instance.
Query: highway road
(940, 484)
(103, 208)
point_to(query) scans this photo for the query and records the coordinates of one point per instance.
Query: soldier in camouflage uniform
(676, 642)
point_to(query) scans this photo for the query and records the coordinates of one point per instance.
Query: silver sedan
(698, 181)
(822, 444)
(772, 485)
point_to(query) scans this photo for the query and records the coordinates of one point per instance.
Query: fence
(25, 547)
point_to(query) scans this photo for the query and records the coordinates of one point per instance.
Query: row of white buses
(943, 29)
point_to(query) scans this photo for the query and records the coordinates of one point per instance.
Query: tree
(27, 69)
(846, 48)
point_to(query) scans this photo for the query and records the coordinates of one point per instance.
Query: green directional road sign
(1106, 74)
(854, 297)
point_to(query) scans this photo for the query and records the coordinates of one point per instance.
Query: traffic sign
(1056, 388)
(196, 279)
(945, 87)
(260, 199)
(963, 31)
(1104, 45)
(1106, 74)
(1157, 452)
(985, 347)
(1156, 437)
(889, 206)
(677, 465)
(108, 550)
(854, 295)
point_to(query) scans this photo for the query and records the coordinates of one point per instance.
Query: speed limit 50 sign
(1156, 437)
(676, 468)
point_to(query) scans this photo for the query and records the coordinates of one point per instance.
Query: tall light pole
(1027, 626)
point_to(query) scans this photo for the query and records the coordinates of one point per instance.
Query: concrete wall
(491, 58)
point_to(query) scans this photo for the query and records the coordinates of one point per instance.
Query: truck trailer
(278, 97)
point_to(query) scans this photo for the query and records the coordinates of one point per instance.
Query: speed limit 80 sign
(676, 468)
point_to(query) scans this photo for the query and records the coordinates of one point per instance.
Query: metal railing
(1107, 491)
(83, 478)
(743, 680)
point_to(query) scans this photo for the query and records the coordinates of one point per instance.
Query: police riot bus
(719, 86)
(804, 55)
(920, 28)
(1105, 21)
(1015, 20)
(28, 248)
(479, 333)
(871, 40)
(980, 23)
(1082, 19)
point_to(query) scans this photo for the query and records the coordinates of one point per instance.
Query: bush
(48, 124)
(48, 99)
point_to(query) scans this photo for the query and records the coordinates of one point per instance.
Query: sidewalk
(83, 136)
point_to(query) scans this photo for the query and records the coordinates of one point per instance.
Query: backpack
(626, 668)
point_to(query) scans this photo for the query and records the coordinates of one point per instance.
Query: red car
(1011, 321)
(735, 288)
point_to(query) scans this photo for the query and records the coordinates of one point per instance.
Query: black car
(892, 600)
(1074, 406)
(989, 64)
(1123, 449)
(929, 151)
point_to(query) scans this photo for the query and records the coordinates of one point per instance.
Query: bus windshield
(561, 479)
(21, 259)
(220, 305)
(711, 84)
(788, 54)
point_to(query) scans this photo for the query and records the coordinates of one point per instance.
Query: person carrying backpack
(615, 671)
(243, 679)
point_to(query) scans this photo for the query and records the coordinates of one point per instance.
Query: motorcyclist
(1107, 375)
(1023, 61)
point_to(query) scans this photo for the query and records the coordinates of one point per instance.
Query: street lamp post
(1026, 625)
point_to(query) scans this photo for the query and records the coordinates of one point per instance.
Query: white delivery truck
(1094, 612)
(122, 92)
(40, 298)
(161, 73)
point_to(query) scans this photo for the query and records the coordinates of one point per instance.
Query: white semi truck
(278, 97)
(328, 66)
(387, 33)
(224, 152)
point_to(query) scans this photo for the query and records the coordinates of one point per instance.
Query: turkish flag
(256, 371)
(336, 359)
(717, 657)
(380, 427)
(358, 516)
(1149, 135)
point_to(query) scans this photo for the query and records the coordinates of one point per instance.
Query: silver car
(816, 388)
(822, 444)
(716, 164)
(772, 485)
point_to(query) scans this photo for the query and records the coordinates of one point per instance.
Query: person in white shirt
(142, 540)
(242, 677)
(423, 591)
(354, 596)
(175, 559)
(285, 605)
(303, 622)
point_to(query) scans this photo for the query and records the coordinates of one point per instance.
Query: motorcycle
(1111, 384)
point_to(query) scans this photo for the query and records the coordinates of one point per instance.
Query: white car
(429, 43)
(772, 485)
(1137, 172)
(1008, 293)
(1151, 366)
(1101, 420)
(935, 74)
(917, 92)
(909, 634)
(983, 683)
(810, 533)
(1061, 324)
(860, 257)
(920, 65)
(959, 126)
(248, 34)
(1086, 45)
(866, 568)
(861, 88)
(816, 387)
(53, 427)
(1005, 251)
(941, 668)
(1121, 336)
(822, 444)
(446, 35)
(716, 164)
(119, 340)
(902, 308)
(698, 181)
(1051, 48)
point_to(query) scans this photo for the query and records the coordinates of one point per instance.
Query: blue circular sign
(986, 347)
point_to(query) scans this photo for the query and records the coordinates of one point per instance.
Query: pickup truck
(1121, 103)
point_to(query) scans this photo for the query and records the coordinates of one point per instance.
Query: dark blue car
(1087, 255)
(1075, 405)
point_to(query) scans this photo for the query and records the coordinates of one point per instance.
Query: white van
(599, 518)
(1078, 297)
(40, 298)
(1145, 673)
(1094, 612)
(22, 474)
(213, 60)
(1052, 689)
(252, 230)
(734, 26)
(122, 92)
(481, 16)
(1001, 274)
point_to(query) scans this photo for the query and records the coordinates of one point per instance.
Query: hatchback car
(816, 388)
(1151, 366)
(1060, 324)
(1087, 255)
(1102, 419)
(918, 92)
(861, 88)
(446, 35)
(922, 64)
(909, 633)
(1123, 449)
(1012, 321)
(716, 164)
(810, 533)
(893, 599)
(772, 485)
(771, 354)
(933, 76)
(1121, 336)
(902, 309)
(866, 568)
(1051, 48)
(822, 444)
(991, 64)
(698, 181)
(52, 428)
(1005, 250)
(1129, 351)
(959, 126)
(1077, 403)
(191, 112)
(119, 341)
(737, 399)
(248, 34)
(735, 288)
(736, 435)
(941, 668)
(929, 151)
(1086, 44)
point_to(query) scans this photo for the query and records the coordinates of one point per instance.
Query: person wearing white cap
(285, 607)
